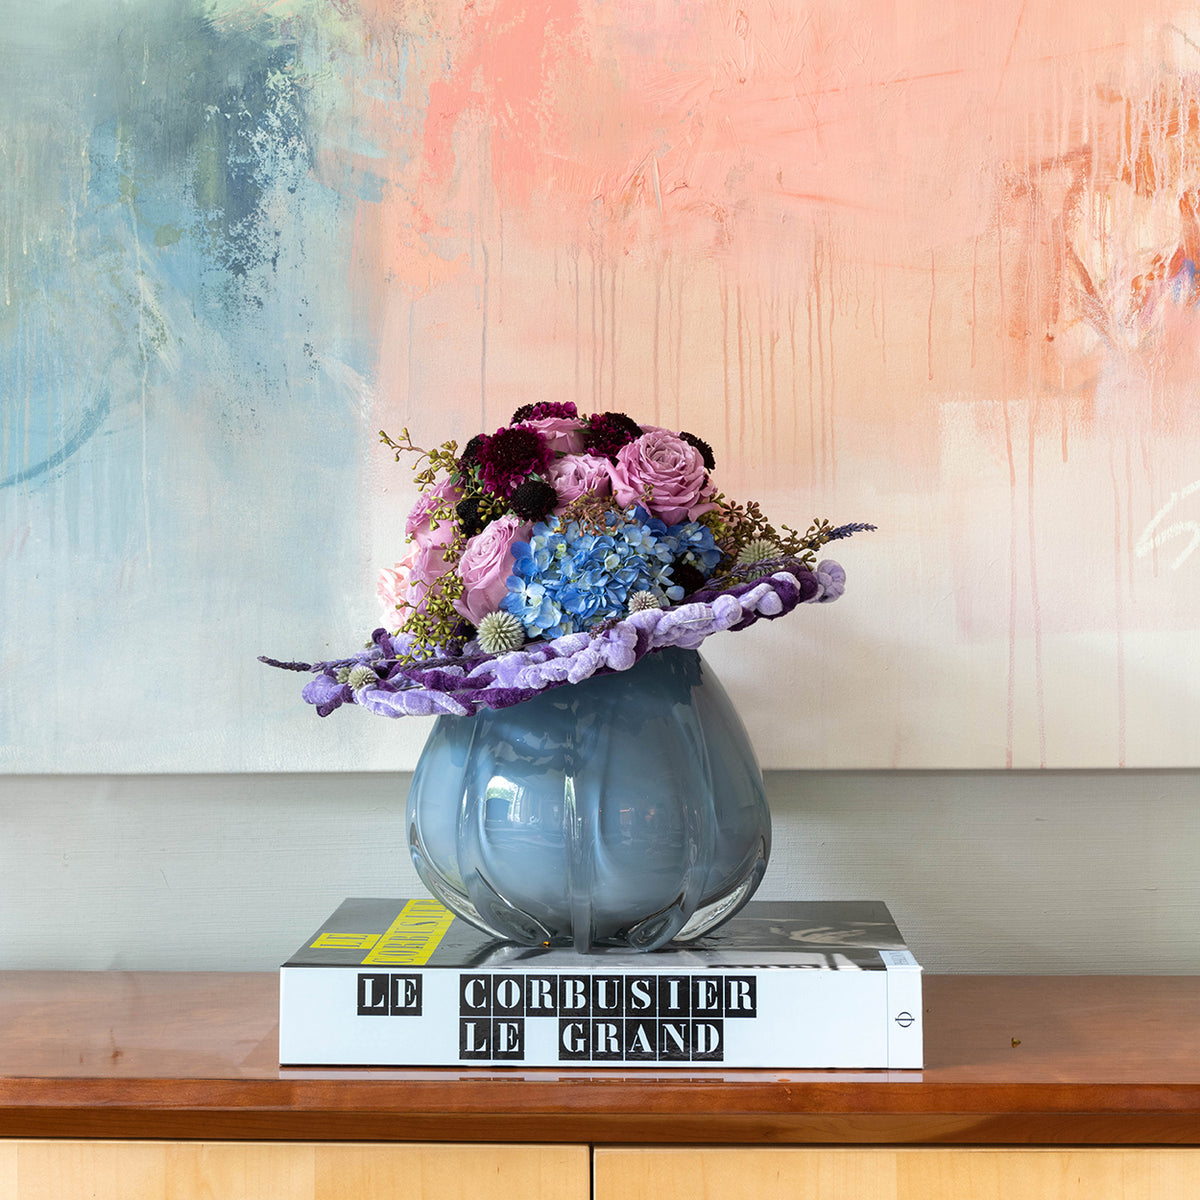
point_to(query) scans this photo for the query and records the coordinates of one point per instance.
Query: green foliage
(433, 631)
(442, 458)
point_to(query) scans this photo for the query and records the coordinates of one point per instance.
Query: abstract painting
(930, 265)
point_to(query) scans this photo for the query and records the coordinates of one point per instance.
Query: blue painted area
(89, 424)
(199, 230)
(177, 467)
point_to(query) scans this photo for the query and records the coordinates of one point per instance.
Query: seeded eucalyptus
(443, 458)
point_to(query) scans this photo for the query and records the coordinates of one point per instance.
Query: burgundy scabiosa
(548, 408)
(469, 513)
(706, 452)
(507, 458)
(605, 433)
(470, 454)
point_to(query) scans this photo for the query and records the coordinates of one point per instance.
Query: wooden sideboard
(127, 1085)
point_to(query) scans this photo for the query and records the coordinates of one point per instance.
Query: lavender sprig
(845, 531)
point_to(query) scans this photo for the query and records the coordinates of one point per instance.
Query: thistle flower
(500, 632)
(362, 676)
(644, 600)
(756, 551)
(755, 554)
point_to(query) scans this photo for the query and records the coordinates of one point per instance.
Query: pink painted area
(503, 75)
(930, 265)
(718, 121)
(746, 135)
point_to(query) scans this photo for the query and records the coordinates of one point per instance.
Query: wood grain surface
(62, 1170)
(884, 1174)
(1010, 1060)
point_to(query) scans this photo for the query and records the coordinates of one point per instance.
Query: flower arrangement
(559, 547)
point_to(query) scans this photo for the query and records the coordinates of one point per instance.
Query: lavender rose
(486, 564)
(418, 525)
(564, 434)
(670, 469)
(576, 475)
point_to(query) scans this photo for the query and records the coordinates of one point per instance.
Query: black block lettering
(508, 1038)
(475, 995)
(674, 1041)
(607, 995)
(641, 995)
(540, 995)
(474, 1038)
(508, 996)
(708, 1041)
(741, 996)
(641, 1040)
(574, 996)
(674, 995)
(572, 1040)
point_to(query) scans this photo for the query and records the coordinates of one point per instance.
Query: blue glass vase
(627, 810)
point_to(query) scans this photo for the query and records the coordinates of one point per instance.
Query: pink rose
(671, 469)
(409, 581)
(393, 590)
(575, 475)
(486, 564)
(564, 434)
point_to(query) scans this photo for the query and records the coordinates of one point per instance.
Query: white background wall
(1017, 872)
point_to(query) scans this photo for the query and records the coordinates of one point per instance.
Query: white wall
(1020, 872)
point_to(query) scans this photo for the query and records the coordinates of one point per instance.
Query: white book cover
(783, 985)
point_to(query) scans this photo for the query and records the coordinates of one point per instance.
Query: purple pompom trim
(464, 684)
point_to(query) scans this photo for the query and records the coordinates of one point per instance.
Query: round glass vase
(626, 810)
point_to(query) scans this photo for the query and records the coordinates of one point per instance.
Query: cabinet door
(62, 1170)
(721, 1173)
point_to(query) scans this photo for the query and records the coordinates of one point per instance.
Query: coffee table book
(784, 984)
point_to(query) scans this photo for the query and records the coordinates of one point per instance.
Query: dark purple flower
(470, 455)
(548, 408)
(468, 514)
(706, 453)
(605, 434)
(533, 500)
(510, 456)
(686, 576)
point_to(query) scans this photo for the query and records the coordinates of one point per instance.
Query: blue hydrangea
(566, 579)
(694, 543)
